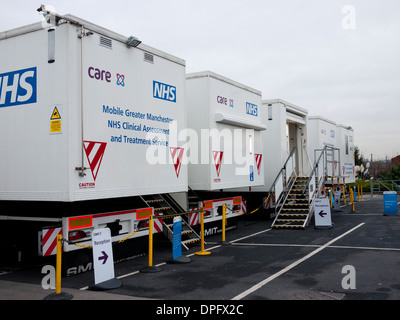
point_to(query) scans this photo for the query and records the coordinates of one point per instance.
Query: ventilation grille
(148, 57)
(105, 42)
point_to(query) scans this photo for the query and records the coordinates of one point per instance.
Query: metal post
(58, 264)
(59, 295)
(202, 252)
(223, 222)
(150, 268)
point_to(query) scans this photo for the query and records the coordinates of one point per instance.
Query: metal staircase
(295, 211)
(164, 205)
(296, 195)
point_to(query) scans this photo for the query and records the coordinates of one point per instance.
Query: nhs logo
(164, 91)
(18, 87)
(251, 109)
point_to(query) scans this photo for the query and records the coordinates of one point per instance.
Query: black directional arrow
(322, 213)
(104, 257)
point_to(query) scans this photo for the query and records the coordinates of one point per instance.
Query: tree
(392, 174)
(358, 157)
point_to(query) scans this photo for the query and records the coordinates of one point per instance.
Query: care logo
(105, 75)
(120, 80)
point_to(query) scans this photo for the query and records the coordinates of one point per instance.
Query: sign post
(322, 214)
(177, 243)
(103, 261)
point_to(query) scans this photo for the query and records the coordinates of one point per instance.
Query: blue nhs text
(164, 91)
(251, 109)
(18, 87)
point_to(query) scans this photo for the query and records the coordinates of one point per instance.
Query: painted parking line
(313, 246)
(291, 266)
(189, 255)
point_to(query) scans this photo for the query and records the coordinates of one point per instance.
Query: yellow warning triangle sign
(55, 115)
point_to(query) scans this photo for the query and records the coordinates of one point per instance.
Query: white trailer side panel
(230, 113)
(345, 137)
(119, 131)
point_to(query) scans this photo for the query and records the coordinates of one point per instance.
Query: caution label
(55, 119)
(55, 115)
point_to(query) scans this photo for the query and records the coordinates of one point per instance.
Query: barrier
(352, 199)
(202, 252)
(150, 268)
(58, 295)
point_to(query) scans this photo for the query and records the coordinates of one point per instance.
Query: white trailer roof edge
(289, 106)
(95, 28)
(118, 37)
(323, 119)
(345, 127)
(214, 75)
(20, 30)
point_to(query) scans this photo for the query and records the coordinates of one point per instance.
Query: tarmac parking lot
(357, 259)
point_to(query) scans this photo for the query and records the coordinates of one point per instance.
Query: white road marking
(291, 266)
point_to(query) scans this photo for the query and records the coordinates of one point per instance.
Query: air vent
(148, 57)
(105, 42)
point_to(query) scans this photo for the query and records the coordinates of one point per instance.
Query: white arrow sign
(322, 213)
(103, 261)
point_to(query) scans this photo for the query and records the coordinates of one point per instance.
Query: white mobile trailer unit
(323, 132)
(86, 117)
(286, 129)
(227, 119)
(80, 112)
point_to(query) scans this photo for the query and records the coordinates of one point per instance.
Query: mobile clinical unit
(86, 120)
(225, 119)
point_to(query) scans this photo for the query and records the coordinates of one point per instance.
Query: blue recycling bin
(390, 206)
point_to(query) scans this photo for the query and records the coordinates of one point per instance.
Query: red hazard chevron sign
(218, 160)
(258, 161)
(94, 153)
(177, 154)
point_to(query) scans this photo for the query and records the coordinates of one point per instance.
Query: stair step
(292, 215)
(190, 241)
(288, 226)
(290, 220)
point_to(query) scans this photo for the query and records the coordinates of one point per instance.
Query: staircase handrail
(280, 173)
(283, 168)
(315, 168)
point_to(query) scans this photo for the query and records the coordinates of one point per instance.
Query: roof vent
(105, 42)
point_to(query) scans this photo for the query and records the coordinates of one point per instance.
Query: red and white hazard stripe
(49, 241)
(158, 224)
(194, 218)
(244, 206)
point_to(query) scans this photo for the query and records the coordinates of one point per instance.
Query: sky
(337, 59)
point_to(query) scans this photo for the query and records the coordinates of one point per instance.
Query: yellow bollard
(150, 268)
(362, 198)
(59, 295)
(151, 240)
(202, 252)
(58, 264)
(344, 194)
(358, 193)
(352, 199)
(223, 221)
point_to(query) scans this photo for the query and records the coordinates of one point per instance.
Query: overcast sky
(299, 51)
